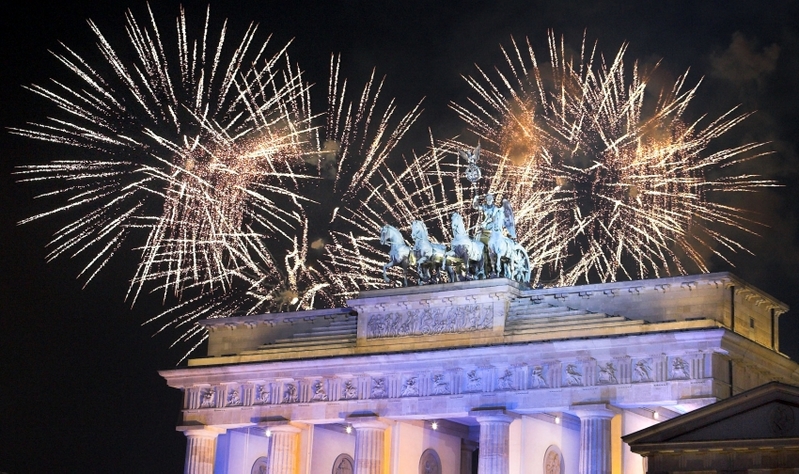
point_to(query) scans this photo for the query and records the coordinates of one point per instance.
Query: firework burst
(193, 146)
(613, 189)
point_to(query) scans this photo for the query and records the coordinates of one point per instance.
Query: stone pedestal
(595, 450)
(284, 449)
(200, 449)
(494, 441)
(370, 445)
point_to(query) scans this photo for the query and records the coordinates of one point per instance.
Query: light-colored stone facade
(561, 372)
(753, 432)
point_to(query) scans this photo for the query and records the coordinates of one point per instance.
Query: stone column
(284, 449)
(370, 446)
(595, 450)
(494, 441)
(200, 448)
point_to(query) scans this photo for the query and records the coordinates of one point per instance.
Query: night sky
(79, 389)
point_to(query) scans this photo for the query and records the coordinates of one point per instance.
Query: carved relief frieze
(642, 370)
(207, 398)
(234, 397)
(606, 374)
(522, 374)
(349, 391)
(410, 388)
(319, 392)
(431, 321)
(474, 382)
(679, 369)
(573, 375)
(263, 394)
(506, 380)
(440, 384)
(379, 389)
(290, 393)
(538, 376)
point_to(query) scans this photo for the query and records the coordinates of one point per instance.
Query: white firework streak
(190, 147)
(625, 193)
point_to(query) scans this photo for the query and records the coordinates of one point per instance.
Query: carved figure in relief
(399, 253)
(552, 463)
(409, 389)
(233, 398)
(349, 391)
(680, 369)
(643, 371)
(573, 377)
(781, 420)
(263, 396)
(475, 384)
(456, 319)
(537, 377)
(290, 395)
(440, 386)
(607, 373)
(320, 395)
(379, 388)
(506, 381)
(207, 398)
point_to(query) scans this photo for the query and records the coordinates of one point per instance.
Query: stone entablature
(478, 312)
(713, 296)
(623, 371)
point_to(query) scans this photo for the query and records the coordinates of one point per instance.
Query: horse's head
(458, 227)
(418, 231)
(390, 235)
(385, 235)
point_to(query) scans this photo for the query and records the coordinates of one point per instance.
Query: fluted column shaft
(595, 448)
(370, 446)
(284, 449)
(200, 449)
(494, 444)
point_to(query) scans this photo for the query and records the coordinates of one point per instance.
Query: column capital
(284, 428)
(201, 431)
(493, 415)
(494, 440)
(370, 447)
(200, 448)
(366, 422)
(594, 410)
